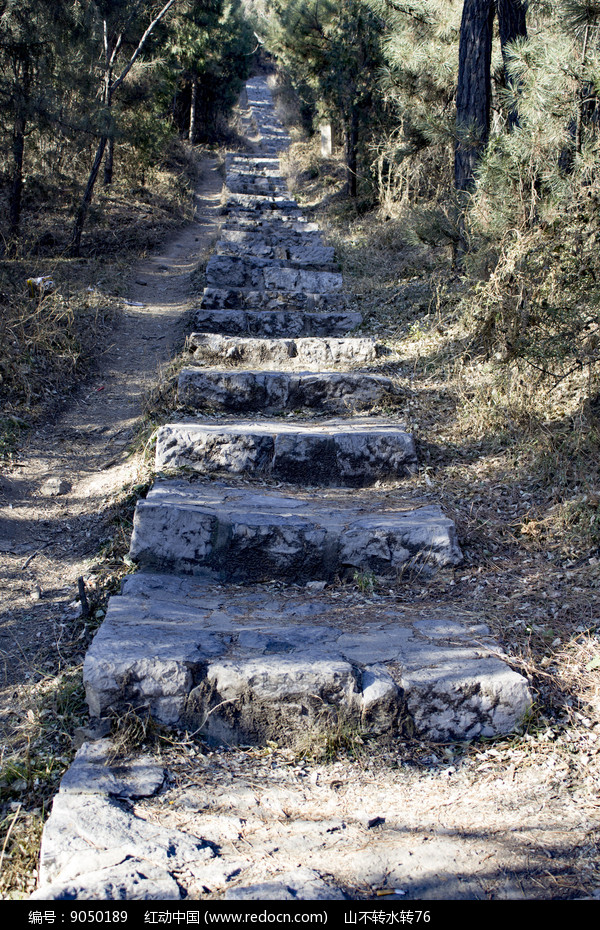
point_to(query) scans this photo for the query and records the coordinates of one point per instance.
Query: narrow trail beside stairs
(282, 481)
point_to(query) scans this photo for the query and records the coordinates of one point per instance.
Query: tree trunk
(16, 186)
(352, 153)
(193, 107)
(473, 96)
(84, 207)
(108, 163)
(512, 24)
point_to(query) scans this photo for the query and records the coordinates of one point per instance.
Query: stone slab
(273, 323)
(238, 298)
(94, 771)
(94, 848)
(239, 534)
(248, 236)
(299, 885)
(318, 257)
(309, 354)
(251, 665)
(274, 224)
(336, 453)
(245, 391)
(262, 203)
(267, 274)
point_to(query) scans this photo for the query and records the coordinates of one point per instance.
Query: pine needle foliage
(534, 219)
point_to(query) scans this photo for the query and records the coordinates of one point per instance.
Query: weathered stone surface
(271, 323)
(232, 298)
(93, 771)
(268, 274)
(239, 182)
(304, 250)
(310, 354)
(283, 204)
(238, 534)
(335, 453)
(131, 880)
(296, 279)
(273, 391)
(300, 885)
(255, 666)
(54, 487)
(273, 225)
(93, 848)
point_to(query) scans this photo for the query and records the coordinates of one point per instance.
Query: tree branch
(141, 44)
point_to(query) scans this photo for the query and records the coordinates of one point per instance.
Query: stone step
(352, 453)
(273, 323)
(248, 666)
(237, 183)
(266, 211)
(271, 225)
(308, 354)
(261, 165)
(262, 203)
(267, 178)
(318, 257)
(277, 391)
(274, 233)
(268, 274)
(239, 298)
(237, 534)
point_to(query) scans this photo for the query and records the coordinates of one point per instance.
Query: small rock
(54, 487)
(375, 822)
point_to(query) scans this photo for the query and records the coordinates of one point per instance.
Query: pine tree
(30, 34)
(336, 51)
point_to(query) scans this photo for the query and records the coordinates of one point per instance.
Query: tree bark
(84, 207)
(512, 24)
(193, 106)
(352, 152)
(473, 98)
(512, 20)
(16, 186)
(109, 160)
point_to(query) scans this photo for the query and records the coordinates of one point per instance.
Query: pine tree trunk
(512, 24)
(352, 153)
(16, 186)
(512, 21)
(193, 107)
(84, 207)
(473, 96)
(109, 163)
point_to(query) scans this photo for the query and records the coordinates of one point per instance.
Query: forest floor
(514, 817)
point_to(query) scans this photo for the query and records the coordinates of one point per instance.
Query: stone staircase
(201, 637)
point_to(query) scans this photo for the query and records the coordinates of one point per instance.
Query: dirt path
(46, 539)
